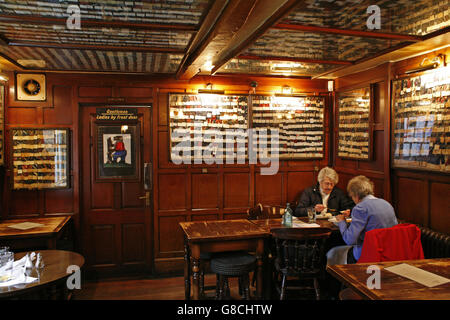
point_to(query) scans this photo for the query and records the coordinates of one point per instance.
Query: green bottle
(287, 217)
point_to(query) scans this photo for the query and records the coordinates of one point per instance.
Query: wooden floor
(144, 289)
(167, 288)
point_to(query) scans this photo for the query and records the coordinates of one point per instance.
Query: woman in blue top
(368, 214)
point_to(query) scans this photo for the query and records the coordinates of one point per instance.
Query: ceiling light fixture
(286, 90)
(3, 76)
(434, 63)
(210, 90)
(208, 66)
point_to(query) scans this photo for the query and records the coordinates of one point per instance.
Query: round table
(51, 278)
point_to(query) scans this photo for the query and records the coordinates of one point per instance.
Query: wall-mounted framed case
(206, 119)
(355, 122)
(421, 121)
(40, 158)
(299, 121)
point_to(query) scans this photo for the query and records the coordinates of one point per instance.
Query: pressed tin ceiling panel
(165, 12)
(152, 36)
(275, 68)
(59, 34)
(417, 17)
(305, 45)
(96, 60)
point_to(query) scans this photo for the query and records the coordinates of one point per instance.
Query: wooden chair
(265, 212)
(255, 213)
(299, 255)
(272, 212)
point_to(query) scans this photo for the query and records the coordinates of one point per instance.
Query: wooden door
(116, 194)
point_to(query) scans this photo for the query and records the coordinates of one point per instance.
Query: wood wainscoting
(180, 193)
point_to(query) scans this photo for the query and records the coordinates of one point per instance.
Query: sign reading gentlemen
(117, 114)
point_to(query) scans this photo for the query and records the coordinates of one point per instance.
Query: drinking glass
(311, 215)
(4, 249)
(6, 265)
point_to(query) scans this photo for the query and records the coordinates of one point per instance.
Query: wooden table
(48, 233)
(393, 286)
(52, 276)
(220, 236)
(268, 224)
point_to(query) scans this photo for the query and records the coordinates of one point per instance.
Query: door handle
(146, 197)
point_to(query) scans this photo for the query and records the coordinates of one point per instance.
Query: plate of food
(324, 216)
(333, 219)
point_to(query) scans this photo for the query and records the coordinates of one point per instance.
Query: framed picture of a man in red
(117, 151)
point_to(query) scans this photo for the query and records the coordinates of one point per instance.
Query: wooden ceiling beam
(99, 24)
(440, 40)
(199, 42)
(237, 24)
(348, 32)
(264, 14)
(290, 59)
(76, 46)
(8, 64)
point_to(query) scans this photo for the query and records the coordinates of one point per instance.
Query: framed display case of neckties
(355, 124)
(299, 121)
(203, 127)
(421, 121)
(40, 158)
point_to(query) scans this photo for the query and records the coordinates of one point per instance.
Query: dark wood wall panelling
(181, 193)
(57, 111)
(421, 196)
(201, 192)
(208, 192)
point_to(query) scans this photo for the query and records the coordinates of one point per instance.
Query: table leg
(259, 269)
(187, 271)
(195, 252)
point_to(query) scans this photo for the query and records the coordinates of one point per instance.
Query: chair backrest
(255, 213)
(271, 212)
(400, 242)
(300, 250)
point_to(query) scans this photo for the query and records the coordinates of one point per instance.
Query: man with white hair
(324, 196)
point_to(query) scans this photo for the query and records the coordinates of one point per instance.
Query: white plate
(333, 219)
(320, 216)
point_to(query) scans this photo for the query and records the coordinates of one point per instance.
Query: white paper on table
(300, 224)
(25, 225)
(426, 278)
